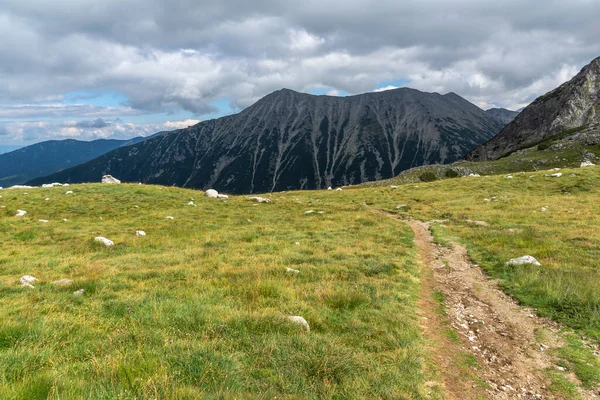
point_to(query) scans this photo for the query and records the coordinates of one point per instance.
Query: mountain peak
(574, 104)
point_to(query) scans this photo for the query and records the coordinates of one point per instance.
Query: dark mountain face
(502, 114)
(571, 105)
(45, 158)
(290, 140)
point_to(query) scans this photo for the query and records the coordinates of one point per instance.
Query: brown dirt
(511, 344)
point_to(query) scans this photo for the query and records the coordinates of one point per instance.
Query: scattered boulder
(47, 199)
(329, 188)
(291, 270)
(21, 187)
(79, 292)
(524, 260)
(169, 217)
(105, 241)
(587, 164)
(557, 175)
(27, 280)
(69, 192)
(309, 212)
(140, 233)
(49, 185)
(191, 203)
(211, 193)
(339, 189)
(544, 209)
(259, 199)
(509, 177)
(474, 175)
(110, 179)
(62, 282)
(20, 213)
(65, 220)
(222, 196)
(393, 187)
(43, 220)
(297, 243)
(296, 319)
(401, 206)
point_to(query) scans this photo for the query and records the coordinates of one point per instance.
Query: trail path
(512, 346)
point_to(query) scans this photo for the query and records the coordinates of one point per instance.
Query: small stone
(557, 175)
(329, 188)
(393, 187)
(65, 220)
(140, 233)
(191, 203)
(169, 217)
(524, 260)
(211, 193)
(20, 213)
(291, 270)
(27, 280)
(544, 209)
(79, 292)
(259, 199)
(105, 241)
(110, 179)
(47, 199)
(338, 189)
(69, 192)
(43, 220)
(222, 196)
(297, 243)
(309, 212)
(509, 177)
(296, 319)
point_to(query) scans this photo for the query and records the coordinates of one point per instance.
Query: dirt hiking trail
(511, 344)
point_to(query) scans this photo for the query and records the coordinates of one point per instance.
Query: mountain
(51, 156)
(502, 114)
(572, 105)
(290, 140)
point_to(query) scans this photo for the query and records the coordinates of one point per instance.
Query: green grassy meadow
(198, 307)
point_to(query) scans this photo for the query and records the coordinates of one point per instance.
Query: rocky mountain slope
(40, 159)
(571, 105)
(502, 114)
(291, 140)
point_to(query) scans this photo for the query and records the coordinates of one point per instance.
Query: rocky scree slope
(291, 140)
(574, 104)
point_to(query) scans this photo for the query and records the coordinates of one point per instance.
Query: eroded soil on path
(512, 346)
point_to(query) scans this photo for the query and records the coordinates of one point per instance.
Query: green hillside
(198, 308)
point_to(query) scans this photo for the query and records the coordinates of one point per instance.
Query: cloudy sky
(90, 69)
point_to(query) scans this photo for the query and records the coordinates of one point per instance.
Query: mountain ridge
(292, 140)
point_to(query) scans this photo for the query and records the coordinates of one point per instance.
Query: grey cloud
(97, 123)
(38, 111)
(181, 54)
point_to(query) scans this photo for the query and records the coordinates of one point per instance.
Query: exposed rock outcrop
(571, 105)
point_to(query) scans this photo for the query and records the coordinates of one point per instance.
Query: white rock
(557, 175)
(47, 198)
(65, 184)
(393, 187)
(524, 260)
(309, 212)
(79, 292)
(43, 220)
(140, 233)
(20, 213)
(21, 187)
(169, 217)
(509, 177)
(65, 220)
(544, 209)
(296, 319)
(474, 175)
(191, 203)
(291, 270)
(329, 188)
(212, 193)
(110, 179)
(69, 192)
(107, 243)
(339, 189)
(222, 196)
(49, 185)
(259, 199)
(587, 164)
(297, 243)
(399, 206)
(62, 282)
(27, 280)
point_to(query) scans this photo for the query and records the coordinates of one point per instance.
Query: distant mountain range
(44, 158)
(291, 140)
(502, 114)
(572, 105)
